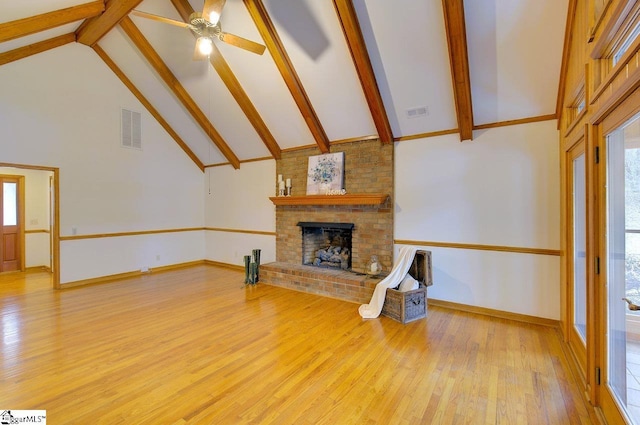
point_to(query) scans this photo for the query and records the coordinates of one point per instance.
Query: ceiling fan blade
(159, 18)
(243, 43)
(212, 10)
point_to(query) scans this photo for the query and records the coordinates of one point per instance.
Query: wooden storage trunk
(408, 306)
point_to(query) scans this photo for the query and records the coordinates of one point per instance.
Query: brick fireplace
(368, 170)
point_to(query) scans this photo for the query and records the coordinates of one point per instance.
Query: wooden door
(11, 223)
(619, 254)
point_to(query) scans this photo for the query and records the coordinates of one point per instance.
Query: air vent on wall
(420, 111)
(131, 126)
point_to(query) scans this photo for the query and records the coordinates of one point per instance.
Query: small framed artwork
(325, 173)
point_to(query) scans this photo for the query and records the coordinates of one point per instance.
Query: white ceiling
(514, 50)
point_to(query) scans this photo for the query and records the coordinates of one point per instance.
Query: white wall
(239, 200)
(500, 189)
(61, 109)
(36, 193)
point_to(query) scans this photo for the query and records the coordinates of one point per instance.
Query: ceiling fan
(206, 26)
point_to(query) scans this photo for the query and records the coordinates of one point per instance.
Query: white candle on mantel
(288, 182)
(281, 185)
(279, 178)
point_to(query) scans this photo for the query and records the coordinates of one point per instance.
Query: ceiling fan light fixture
(205, 45)
(214, 17)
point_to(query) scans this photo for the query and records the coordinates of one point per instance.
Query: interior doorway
(37, 218)
(12, 243)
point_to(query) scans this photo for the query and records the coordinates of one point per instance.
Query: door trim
(55, 231)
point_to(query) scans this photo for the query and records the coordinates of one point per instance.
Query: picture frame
(325, 174)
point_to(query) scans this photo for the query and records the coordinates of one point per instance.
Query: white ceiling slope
(514, 54)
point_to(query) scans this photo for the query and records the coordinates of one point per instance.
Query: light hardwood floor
(196, 346)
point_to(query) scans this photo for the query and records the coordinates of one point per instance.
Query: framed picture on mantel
(325, 173)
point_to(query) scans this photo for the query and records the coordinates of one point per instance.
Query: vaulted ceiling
(333, 70)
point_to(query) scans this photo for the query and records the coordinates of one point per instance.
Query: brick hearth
(340, 284)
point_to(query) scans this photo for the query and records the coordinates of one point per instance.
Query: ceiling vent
(420, 111)
(131, 126)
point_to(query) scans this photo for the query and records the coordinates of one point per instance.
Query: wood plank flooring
(195, 346)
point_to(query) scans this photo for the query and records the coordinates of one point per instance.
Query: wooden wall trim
(36, 231)
(122, 234)
(235, 267)
(248, 232)
(519, 121)
(426, 135)
(28, 167)
(159, 231)
(125, 275)
(534, 320)
(243, 161)
(354, 139)
(499, 248)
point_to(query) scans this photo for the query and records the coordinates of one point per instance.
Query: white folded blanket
(400, 269)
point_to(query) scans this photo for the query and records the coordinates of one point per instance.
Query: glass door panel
(579, 209)
(10, 203)
(623, 266)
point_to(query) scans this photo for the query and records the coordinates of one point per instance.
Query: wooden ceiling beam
(235, 88)
(46, 21)
(32, 49)
(178, 90)
(355, 40)
(153, 111)
(270, 36)
(459, 60)
(92, 30)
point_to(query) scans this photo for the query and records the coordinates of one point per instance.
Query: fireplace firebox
(327, 244)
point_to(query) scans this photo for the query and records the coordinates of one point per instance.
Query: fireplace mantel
(358, 199)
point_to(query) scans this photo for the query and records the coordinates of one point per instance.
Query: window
(9, 202)
(628, 41)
